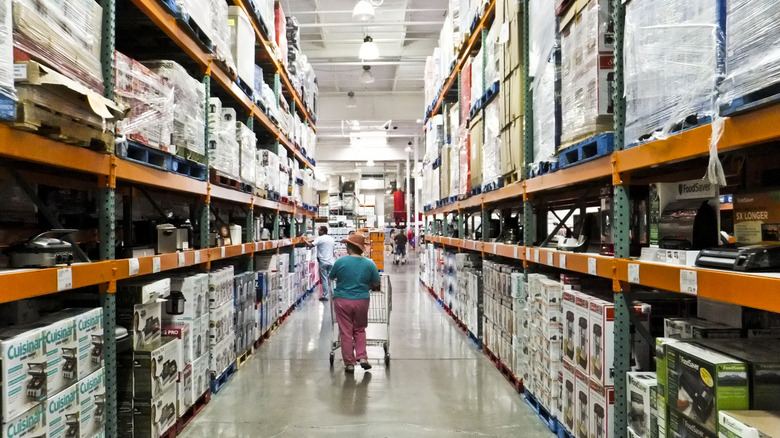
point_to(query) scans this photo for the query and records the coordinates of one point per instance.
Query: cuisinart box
(92, 398)
(640, 396)
(757, 218)
(749, 424)
(30, 424)
(89, 330)
(156, 368)
(152, 418)
(24, 370)
(702, 382)
(62, 413)
(142, 321)
(62, 348)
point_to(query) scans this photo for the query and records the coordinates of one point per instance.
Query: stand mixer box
(156, 369)
(582, 334)
(62, 413)
(23, 363)
(92, 398)
(570, 328)
(582, 404)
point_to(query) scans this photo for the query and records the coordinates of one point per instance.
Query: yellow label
(706, 377)
(231, 22)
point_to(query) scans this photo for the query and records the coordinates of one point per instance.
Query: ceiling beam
(349, 11)
(361, 63)
(374, 24)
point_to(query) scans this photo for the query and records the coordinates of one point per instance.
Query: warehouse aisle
(438, 383)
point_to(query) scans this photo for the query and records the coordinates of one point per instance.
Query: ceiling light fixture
(370, 163)
(367, 77)
(369, 49)
(408, 149)
(351, 101)
(363, 11)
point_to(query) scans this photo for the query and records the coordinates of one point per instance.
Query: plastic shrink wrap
(587, 72)
(188, 112)
(150, 102)
(493, 52)
(463, 160)
(64, 34)
(491, 149)
(220, 32)
(280, 22)
(242, 44)
(434, 137)
(542, 67)
(247, 142)
(672, 65)
(752, 49)
(477, 77)
(224, 151)
(454, 189)
(6, 51)
(270, 164)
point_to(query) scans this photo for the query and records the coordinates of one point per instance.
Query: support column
(204, 207)
(461, 225)
(416, 198)
(528, 136)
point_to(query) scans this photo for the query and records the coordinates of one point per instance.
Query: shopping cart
(380, 305)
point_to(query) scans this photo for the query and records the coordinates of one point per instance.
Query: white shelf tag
(222, 251)
(257, 246)
(182, 259)
(134, 266)
(243, 249)
(562, 261)
(516, 249)
(197, 257)
(688, 282)
(156, 265)
(64, 279)
(633, 272)
(550, 259)
(536, 256)
(528, 254)
(592, 270)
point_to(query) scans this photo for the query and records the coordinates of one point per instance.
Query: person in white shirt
(325, 245)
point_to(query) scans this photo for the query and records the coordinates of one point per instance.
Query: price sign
(182, 259)
(516, 250)
(592, 270)
(243, 249)
(562, 260)
(550, 259)
(197, 257)
(133, 266)
(689, 282)
(633, 272)
(156, 265)
(257, 246)
(528, 253)
(536, 256)
(64, 279)
(222, 251)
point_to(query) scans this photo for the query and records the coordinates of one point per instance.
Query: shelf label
(182, 259)
(134, 266)
(243, 249)
(633, 272)
(562, 260)
(550, 259)
(156, 265)
(528, 253)
(257, 246)
(536, 256)
(516, 250)
(64, 279)
(688, 282)
(197, 257)
(592, 270)
(222, 251)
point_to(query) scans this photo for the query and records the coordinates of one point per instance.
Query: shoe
(349, 369)
(323, 299)
(365, 364)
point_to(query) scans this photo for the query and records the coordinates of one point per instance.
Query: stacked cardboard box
(245, 314)
(224, 149)
(510, 73)
(498, 316)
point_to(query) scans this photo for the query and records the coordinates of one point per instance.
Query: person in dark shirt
(400, 247)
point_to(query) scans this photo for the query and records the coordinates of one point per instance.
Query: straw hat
(358, 241)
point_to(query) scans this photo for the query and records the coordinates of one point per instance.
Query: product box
(23, 364)
(570, 328)
(142, 291)
(702, 382)
(200, 336)
(602, 353)
(89, 330)
(661, 346)
(62, 413)
(602, 401)
(61, 345)
(583, 333)
(220, 287)
(695, 328)
(185, 391)
(201, 376)
(569, 396)
(195, 296)
(222, 355)
(682, 426)
(182, 332)
(29, 424)
(92, 398)
(125, 418)
(653, 433)
(242, 44)
(156, 368)
(757, 218)
(152, 418)
(749, 424)
(582, 403)
(640, 398)
(221, 323)
(143, 323)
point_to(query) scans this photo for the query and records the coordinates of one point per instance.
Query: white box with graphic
(23, 363)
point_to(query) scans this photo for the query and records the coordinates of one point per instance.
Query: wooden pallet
(193, 411)
(242, 359)
(220, 381)
(511, 177)
(221, 179)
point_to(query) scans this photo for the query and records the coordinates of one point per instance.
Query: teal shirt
(353, 276)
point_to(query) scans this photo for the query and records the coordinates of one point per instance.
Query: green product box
(701, 382)
(661, 345)
(749, 424)
(682, 426)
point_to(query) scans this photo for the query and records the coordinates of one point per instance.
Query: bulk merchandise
(24, 370)
(62, 413)
(224, 149)
(92, 399)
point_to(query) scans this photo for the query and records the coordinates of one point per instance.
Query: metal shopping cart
(379, 308)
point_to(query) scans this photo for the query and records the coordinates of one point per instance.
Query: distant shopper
(355, 276)
(400, 247)
(325, 245)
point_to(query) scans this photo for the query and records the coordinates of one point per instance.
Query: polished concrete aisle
(438, 384)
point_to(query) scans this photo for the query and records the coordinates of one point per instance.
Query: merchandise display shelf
(20, 284)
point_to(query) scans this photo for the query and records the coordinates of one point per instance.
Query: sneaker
(349, 369)
(365, 364)
(323, 299)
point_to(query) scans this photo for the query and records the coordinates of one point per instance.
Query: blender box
(641, 397)
(30, 424)
(183, 332)
(661, 345)
(570, 330)
(695, 328)
(682, 426)
(156, 368)
(582, 404)
(201, 376)
(142, 291)
(221, 323)
(142, 321)
(23, 364)
(702, 382)
(62, 413)
(582, 327)
(749, 424)
(185, 391)
(92, 399)
(62, 346)
(153, 417)
(602, 401)
(569, 396)
(195, 297)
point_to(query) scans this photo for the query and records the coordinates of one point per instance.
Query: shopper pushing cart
(361, 297)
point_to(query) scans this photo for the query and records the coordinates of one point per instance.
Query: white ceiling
(406, 31)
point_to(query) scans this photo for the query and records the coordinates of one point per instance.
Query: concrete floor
(438, 384)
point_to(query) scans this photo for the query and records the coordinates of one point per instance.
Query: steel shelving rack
(740, 132)
(103, 172)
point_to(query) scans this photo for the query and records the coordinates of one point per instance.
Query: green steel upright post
(445, 229)
(275, 234)
(461, 225)
(528, 134)
(485, 224)
(204, 207)
(621, 235)
(250, 213)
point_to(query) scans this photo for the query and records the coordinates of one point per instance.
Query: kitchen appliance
(235, 234)
(258, 227)
(583, 423)
(69, 367)
(36, 387)
(700, 395)
(265, 234)
(761, 257)
(42, 251)
(582, 358)
(688, 224)
(569, 350)
(72, 424)
(167, 237)
(568, 417)
(598, 414)
(638, 220)
(97, 348)
(586, 233)
(596, 360)
(184, 233)
(174, 303)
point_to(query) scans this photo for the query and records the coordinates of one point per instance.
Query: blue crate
(584, 151)
(140, 153)
(7, 107)
(752, 101)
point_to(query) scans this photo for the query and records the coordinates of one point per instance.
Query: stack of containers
(587, 70)
(150, 102)
(268, 170)
(498, 314)
(245, 315)
(280, 23)
(510, 74)
(268, 286)
(242, 45)
(222, 334)
(191, 326)
(247, 144)
(224, 150)
(468, 282)
(220, 31)
(545, 300)
(544, 69)
(148, 374)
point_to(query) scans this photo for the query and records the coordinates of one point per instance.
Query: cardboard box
(195, 296)
(602, 401)
(569, 396)
(152, 418)
(640, 398)
(757, 218)
(570, 328)
(512, 147)
(89, 330)
(185, 391)
(143, 323)
(156, 368)
(661, 348)
(182, 332)
(695, 328)
(221, 323)
(242, 44)
(749, 424)
(680, 425)
(30, 424)
(222, 355)
(476, 139)
(62, 413)
(142, 291)
(61, 346)
(654, 412)
(220, 287)
(583, 333)
(23, 364)
(200, 336)
(582, 403)
(92, 398)
(201, 376)
(702, 382)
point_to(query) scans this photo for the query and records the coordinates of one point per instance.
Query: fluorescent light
(367, 77)
(363, 11)
(408, 149)
(369, 49)
(370, 163)
(351, 101)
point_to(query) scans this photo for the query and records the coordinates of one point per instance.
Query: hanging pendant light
(351, 101)
(369, 49)
(367, 77)
(363, 11)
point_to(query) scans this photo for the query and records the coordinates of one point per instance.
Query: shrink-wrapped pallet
(543, 67)
(224, 150)
(454, 150)
(6, 51)
(242, 44)
(491, 149)
(247, 142)
(220, 32)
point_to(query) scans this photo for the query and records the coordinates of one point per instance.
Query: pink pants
(352, 316)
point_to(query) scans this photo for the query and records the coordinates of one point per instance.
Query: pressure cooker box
(182, 331)
(702, 382)
(156, 368)
(191, 287)
(601, 405)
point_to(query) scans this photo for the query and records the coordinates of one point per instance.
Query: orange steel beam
(22, 284)
(138, 173)
(31, 147)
